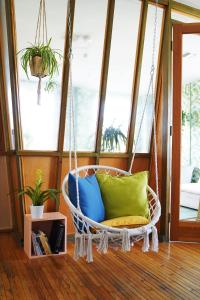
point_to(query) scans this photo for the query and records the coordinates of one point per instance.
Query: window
(88, 39)
(120, 75)
(40, 123)
(145, 133)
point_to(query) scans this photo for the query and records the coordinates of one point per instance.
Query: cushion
(124, 195)
(91, 203)
(195, 175)
(128, 221)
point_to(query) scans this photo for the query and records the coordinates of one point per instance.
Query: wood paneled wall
(48, 166)
(5, 198)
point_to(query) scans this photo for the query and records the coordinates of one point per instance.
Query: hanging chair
(86, 229)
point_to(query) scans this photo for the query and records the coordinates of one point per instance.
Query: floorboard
(173, 273)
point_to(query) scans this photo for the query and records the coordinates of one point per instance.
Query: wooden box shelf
(44, 224)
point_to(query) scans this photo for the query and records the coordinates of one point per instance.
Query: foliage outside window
(191, 123)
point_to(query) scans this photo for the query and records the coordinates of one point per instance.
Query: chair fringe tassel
(83, 246)
(154, 245)
(145, 247)
(103, 243)
(89, 257)
(126, 243)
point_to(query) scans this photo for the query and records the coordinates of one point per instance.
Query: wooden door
(185, 195)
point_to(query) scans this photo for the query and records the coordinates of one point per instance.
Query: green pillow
(124, 195)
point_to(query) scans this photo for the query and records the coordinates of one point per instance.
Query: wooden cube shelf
(45, 224)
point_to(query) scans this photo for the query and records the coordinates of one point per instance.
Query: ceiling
(191, 57)
(193, 3)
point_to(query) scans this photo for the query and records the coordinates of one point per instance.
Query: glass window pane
(88, 39)
(7, 72)
(178, 16)
(146, 129)
(40, 123)
(120, 75)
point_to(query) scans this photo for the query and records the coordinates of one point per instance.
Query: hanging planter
(39, 57)
(36, 67)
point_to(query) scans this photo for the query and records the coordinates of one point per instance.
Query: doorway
(185, 197)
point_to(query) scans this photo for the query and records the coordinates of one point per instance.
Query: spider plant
(39, 196)
(49, 57)
(111, 139)
(50, 85)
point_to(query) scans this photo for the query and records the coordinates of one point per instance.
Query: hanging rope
(41, 38)
(41, 28)
(152, 71)
(153, 96)
(72, 133)
(72, 129)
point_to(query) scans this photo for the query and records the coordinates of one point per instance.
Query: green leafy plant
(111, 139)
(39, 196)
(50, 85)
(49, 57)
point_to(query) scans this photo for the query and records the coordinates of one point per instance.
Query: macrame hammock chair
(87, 230)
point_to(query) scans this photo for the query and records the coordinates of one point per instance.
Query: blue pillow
(91, 203)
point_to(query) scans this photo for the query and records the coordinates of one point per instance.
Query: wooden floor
(174, 273)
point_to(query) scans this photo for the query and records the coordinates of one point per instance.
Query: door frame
(180, 230)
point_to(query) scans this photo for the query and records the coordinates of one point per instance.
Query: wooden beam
(166, 122)
(5, 113)
(65, 77)
(160, 2)
(3, 94)
(28, 153)
(104, 73)
(137, 75)
(65, 81)
(185, 9)
(11, 33)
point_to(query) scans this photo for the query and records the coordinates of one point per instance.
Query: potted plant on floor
(39, 196)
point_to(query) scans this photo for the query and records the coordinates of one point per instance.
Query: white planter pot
(37, 211)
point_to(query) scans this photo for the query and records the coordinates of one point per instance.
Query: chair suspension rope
(72, 129)
(72, 133)
(150, 89)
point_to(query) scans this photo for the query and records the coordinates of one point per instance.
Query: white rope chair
(87, 230)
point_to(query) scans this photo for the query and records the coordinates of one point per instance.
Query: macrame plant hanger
(41, 38)
(103, 233)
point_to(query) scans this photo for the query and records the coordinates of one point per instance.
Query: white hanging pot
(37, 211)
